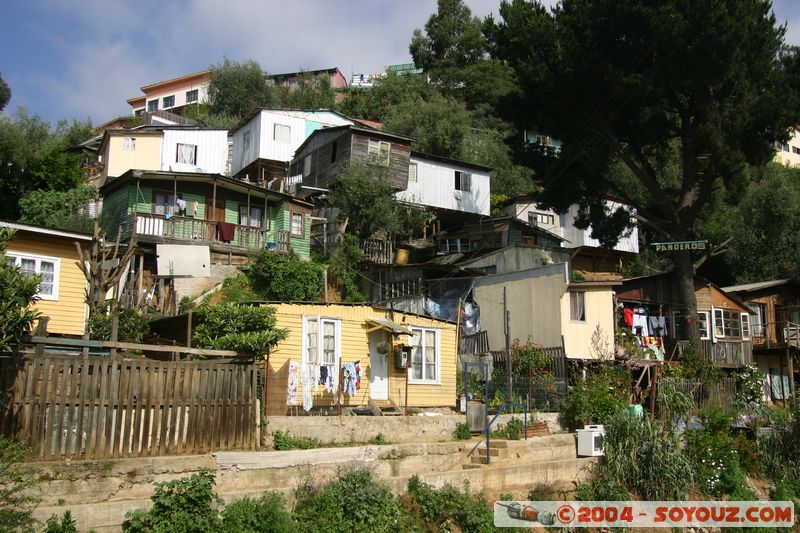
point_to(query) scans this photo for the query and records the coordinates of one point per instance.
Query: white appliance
(590, 441)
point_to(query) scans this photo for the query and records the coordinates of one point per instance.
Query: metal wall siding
(212, 150)
(435, 187)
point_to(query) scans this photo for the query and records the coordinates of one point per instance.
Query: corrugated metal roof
(746, 287)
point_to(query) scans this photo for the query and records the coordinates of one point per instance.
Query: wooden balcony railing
(378, 251)
(724, 353)
(194, 229)
(475, 344)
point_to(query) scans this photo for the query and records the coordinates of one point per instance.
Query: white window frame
(375, 153)
(719, 320)
(178, 146)
(171, 102)
(129, 143)
(282, 133)
(759, 311)
(744, 324)
(307, 165)
(192, 93)
(18, 256)
(421, 330)
(413, 170)
(152, 105)
(321, 321)
(302, 224)
(704, 334)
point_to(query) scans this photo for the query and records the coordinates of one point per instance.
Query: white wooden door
(378, 368)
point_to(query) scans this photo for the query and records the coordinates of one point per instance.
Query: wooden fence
(106, 407)
(705, 395)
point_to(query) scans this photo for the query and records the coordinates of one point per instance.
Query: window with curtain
(727, 323)
(282, 133)
(297, 225)
(186, 154)
(163, 203)
(759, 319)
(321, 340)
(45, 267)
(424, 355)
(253, 218)
(577, 306)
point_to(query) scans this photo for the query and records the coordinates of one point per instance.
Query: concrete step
(557, 439)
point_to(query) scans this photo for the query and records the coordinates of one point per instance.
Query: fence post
(41, 331)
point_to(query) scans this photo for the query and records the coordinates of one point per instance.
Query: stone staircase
(99, 493)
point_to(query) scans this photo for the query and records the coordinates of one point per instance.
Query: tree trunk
(684, 281)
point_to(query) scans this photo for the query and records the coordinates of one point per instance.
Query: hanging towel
(292, 383)
(349, 379)
(226, 231)
(640, 325)
(308, 388)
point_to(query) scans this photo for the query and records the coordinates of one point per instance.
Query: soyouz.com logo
(644, 514)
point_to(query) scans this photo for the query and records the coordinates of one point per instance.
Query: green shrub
(183, 505)
(462, 432)
(542, 492)
(131, 325)
(435, 509)
(284, 441)
(285, 277)
(237, 290)
(749, 385)
(65, 525)
(267, 514)
(15, 478)
(17, 293)
(354, 501)
(643, 458)
(512, 430)
(379, 439)
(600, 397)
(243, 328)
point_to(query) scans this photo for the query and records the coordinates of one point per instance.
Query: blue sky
(85, 58)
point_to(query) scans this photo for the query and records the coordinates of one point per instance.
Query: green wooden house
(230, 216)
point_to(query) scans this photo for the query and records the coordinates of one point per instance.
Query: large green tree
(453, 53)
(64, 210)
(235, 89)
(764, 227)
(5, 93)
(34, 156)
(365, 197)
(17, 293)
(662, 104)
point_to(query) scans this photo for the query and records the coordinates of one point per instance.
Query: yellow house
(51, 254)
(545, 306)
(325, 339)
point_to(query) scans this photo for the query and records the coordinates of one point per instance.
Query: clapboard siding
(68, 312)
(355, 347)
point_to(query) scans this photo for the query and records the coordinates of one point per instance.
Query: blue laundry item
(331, 379)
(349, 378)
(323, 375)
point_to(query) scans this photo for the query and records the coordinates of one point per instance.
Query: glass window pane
(311, 328)
(48, 275)
(28, 266)
(256, 215)
(329, 343)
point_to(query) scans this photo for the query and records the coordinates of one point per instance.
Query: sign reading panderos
(680, 246)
